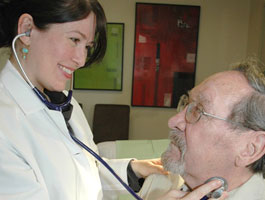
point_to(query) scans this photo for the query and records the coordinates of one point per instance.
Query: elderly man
(219, 131)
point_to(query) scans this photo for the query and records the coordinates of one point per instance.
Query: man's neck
(235, 179)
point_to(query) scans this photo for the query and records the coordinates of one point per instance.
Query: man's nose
(178, 121)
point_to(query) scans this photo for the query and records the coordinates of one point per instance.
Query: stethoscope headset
(59, 107)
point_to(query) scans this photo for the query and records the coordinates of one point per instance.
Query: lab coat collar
(29, 103)
(20, 90)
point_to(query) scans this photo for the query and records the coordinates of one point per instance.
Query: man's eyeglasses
(195, 111)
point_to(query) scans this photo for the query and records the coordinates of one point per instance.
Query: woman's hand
(196, 194)
(144, 168)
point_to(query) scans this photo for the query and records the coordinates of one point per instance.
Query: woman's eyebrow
(80, 33)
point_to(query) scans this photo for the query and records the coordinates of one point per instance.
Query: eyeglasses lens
(193, 113)
(183, 102)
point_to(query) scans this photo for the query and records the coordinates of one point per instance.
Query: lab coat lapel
(16, 86)
(80, 126)
(58, 120)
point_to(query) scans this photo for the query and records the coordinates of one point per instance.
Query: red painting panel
(166, 39)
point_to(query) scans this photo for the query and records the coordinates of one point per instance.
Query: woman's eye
(88, 48)
(75, 40)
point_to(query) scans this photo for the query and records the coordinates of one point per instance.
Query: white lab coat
(38, 158)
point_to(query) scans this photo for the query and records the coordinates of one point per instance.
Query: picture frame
(165, 51)
(108, 74)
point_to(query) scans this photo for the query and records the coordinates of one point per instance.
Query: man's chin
(171, 164)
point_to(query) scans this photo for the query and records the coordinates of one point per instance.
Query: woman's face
(56, 53)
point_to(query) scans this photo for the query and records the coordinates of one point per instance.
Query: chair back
(111, 122)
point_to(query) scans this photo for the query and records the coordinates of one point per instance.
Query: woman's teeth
(68, 71)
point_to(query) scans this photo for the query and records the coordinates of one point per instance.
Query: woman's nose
(178, 121)
(80, 56)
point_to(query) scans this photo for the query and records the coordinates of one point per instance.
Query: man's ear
(254, 149)
(25, 24)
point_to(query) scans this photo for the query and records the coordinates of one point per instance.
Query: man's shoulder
(253, 189)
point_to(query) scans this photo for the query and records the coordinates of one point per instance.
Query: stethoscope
(59, 107)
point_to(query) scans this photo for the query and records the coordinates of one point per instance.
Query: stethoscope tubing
(59, 108)
(107, 166)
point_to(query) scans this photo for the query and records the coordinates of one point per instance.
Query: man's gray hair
(250, 110)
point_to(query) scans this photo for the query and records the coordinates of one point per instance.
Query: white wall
(223, 39)
(256, 39)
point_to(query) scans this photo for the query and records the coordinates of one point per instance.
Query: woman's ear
(254, 149)
(25, 24)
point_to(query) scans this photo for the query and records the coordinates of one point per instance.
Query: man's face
(208, 147)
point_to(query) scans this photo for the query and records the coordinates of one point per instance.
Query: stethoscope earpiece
(27, 33)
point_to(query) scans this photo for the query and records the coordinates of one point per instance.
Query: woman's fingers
(196, 194)
(203, 190)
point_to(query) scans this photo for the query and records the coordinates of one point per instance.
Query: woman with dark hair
(39, 159)
(46, 13)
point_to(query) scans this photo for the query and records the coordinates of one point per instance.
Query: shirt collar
(253, 187)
